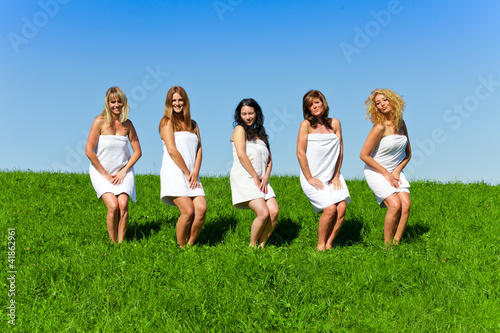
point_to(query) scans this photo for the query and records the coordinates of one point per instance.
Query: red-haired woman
(180, 182)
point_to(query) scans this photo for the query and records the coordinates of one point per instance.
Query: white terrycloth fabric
(173, 181)
(388, 153)
(243, 188)
(322, 153)
(113, 153)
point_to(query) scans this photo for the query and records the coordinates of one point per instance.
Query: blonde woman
(386, 152)
(111, 170)
(180, 181)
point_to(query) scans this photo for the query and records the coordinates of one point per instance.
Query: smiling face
(115, 105)
(316, 107)
(248, 115)
(382, 104)
(177, 103)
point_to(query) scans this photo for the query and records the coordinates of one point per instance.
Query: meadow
(444, 277)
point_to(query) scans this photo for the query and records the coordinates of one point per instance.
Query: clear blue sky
(58, 58)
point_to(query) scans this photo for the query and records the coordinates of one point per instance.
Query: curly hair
(106, 111)
(307, 102)
(395, 101)
(257, 130)
(177, 119)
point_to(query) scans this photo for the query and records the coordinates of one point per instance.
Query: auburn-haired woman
(386, 152)
(252, 165)
(320, 153)
(180, 181)
(111, 169)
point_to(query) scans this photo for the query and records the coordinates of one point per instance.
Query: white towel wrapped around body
(389, 153)
(113, 153)
(173, 181)
(243, 189)
(322, 153)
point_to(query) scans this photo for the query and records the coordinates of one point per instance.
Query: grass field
(444, 277)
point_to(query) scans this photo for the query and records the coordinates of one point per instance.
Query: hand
(316, 183)
(118, 177)
(335, 182)
(192, 179)
(263, 184)
(393, 181)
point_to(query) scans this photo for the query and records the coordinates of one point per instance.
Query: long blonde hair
(106, 112)
(169, 114)
(397, 106)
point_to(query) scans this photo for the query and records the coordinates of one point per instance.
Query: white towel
(243, 189)
(113, 153)
(173, 181)
(322, 153)
(389, 153)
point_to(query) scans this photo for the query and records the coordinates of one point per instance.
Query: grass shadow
(285, 232)
(137, 232)
(414, 232)
(214, 232)
(350, 233)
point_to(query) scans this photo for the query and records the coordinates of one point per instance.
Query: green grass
(444, 277)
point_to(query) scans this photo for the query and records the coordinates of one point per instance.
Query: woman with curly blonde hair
(386, 152)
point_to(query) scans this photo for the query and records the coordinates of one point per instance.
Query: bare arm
(167, 135)
(93, 138)
(302, 157)
(265, 179)
(407, 158)
(372, 140)
(335, 181)
(193, 176)
(137, 153)
(239, 138)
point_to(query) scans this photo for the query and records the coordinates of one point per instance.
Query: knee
(405, 205)
(113, 207)
(341, 207)
(273, 213)
(394, 206)
(263, 214)
(123, 206)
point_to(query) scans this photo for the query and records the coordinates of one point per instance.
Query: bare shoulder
(99, 121)
(378, 128)
(335, 123)
(305, 125)
(239, 133)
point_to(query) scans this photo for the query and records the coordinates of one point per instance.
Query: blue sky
(60, 56)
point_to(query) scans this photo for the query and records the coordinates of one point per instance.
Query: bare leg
(272, 206)
(122, 224)
(405, 213)
(325, 225)
(259, 223)
(339, 220)
(200, 210)
(113, 214)
(392, 217)
(186, 208)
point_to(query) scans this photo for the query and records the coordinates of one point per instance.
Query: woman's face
(382, 104)
(115, 105)
(248, 115)
(316, 107)
(177, 103)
